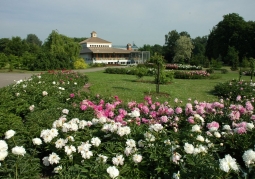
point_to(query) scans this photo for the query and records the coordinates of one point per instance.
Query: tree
(3, 60)
(232, 57)
(160, 75)
(183, 50)
(3, 44)
(63, 50)
(232, 31)
(169, 48)
(16, 46)
(33, 39)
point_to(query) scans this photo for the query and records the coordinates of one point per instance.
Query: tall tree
(33, 39)
(183, 50)
(169, 48)
(231, 31)
(63, 50)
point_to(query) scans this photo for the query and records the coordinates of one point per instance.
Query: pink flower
(164, 119)
(72, 95)
(238, 98)
(213, 126)
(178, 110)
(234, 115)
(191, 120)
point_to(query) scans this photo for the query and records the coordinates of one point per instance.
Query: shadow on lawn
(121, 88)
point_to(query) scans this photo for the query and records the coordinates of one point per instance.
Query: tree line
(57, 52)
(230, 42)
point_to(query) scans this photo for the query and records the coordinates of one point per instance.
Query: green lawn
(128, 89)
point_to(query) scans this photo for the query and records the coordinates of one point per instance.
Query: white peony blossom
(227, 127)
(57, 169)
(65, 111)
(46, 161)
(19, 150)
(196, 128)
(3, 146)
(60, 143)
(135, 113)
(176, 175)
(37, 141)
(118, 160)
(156, 127)
(86, 154)
(95, 141)
(9, 134)
(200, 138)
(102, 158)
(69, 149)
(228, 163)
(217, 134)
(137, 158)
(3, 155)
(189, 148)
(130, 143)
(53, 158)
(249, 126)
(112, 171)
(176, 157)
(149, 137)
(249, 157)
(44, 93)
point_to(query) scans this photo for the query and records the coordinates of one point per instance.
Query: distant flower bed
(191, 74)
(234, 90)
(182, 67)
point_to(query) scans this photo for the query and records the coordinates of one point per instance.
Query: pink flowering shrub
(191, 74)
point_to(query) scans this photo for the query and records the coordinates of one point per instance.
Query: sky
(118, 21)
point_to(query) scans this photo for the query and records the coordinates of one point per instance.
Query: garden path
(10, 77)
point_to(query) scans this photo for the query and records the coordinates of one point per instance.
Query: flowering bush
(182, 67)
(235, 90)
(73, 135)
(191, 74)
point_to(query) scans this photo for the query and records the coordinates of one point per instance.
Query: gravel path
(10, 78)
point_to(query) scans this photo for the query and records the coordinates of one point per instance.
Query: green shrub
(224, 71)
(210, 70)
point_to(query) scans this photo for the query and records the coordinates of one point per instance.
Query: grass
(128, 89)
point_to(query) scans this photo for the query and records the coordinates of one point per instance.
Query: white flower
(217, 134)
(37, 141)
(118, 160)
(102, 120)
(249, 126)
(123, 131)
(85, 146)
(53, 82)
(70, 149)
(102, 158)
(57, 169)
(196, 128)
(95, 141)
(18, 150)
(65, 111)
(176, 175)
(17, 94)
(176, 157)
(128, 151)
(227, 127)
(86, 154)
(228, 163)
(137, 158)
(189, 148)
(46, 161)
(53, 158)
(3, 146)
(44, 93)
(249, 157)
(200, 138)
(149, 137)
(135, 113)
(32, 107)
(3, 155)
(141, 143)
(112, 171)
(130, 143)
(60, 143)
(9, 134)
(75, 83)
(156, 127)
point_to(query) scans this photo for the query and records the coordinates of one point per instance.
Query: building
(97, 50)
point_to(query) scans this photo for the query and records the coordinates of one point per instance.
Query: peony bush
(64, 132)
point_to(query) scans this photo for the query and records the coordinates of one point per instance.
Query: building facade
(97, 50)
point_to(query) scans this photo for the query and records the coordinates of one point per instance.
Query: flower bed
(182, 67)
(96, 137)
(191, 74)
